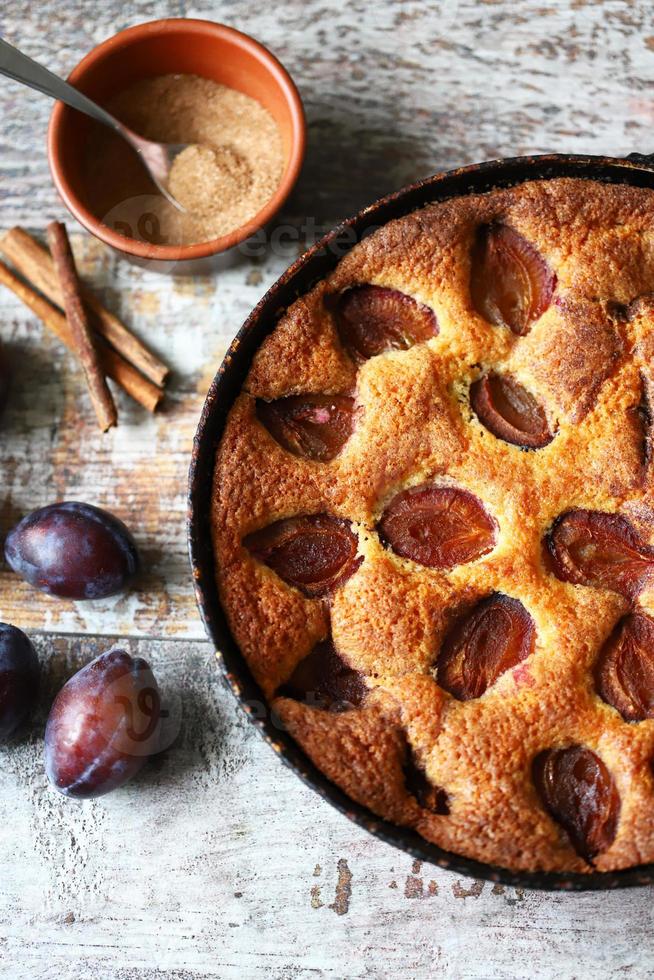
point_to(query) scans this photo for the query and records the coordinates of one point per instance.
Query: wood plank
(560, 78)
(217, 862)
(51, 451)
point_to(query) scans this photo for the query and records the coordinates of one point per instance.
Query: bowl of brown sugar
(180, 81)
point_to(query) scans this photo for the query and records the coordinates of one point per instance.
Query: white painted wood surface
(216, 861)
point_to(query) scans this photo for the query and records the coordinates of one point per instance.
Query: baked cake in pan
(433, 520)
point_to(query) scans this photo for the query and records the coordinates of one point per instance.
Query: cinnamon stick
(115, 366)
(36, 265)
(64, 263)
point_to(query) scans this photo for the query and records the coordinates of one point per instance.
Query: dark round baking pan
(316, 263)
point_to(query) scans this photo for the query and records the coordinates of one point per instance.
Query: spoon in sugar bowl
(157, 158)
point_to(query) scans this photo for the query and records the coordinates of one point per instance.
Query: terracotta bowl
(197, 47)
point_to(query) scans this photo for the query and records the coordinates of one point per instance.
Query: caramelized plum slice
(578, 791)
(625, 668)
(439, 527)
(510, 283)
(510, 412)
(493, 637)
(429, 797)
(312, 426)
(315, 553)
(589, 547)
(374, 319)
(324, 680)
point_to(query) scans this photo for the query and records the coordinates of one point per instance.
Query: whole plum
(103, 726)
(19, 679)
(73, 550)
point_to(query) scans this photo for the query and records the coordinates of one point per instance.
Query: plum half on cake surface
(433, 522)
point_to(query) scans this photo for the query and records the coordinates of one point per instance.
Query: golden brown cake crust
(589, 364)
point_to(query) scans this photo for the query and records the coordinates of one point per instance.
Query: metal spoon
(156, 157)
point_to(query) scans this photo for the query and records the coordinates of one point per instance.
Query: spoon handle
(14, 64)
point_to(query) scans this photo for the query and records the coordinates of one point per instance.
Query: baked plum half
(624, 673)
(315, 553)
(437, 526)
(510, 412)
(310, 426)
(324, 680)
(511, 285)
(497, 634)
(590, 547)
(373, 319)
(578, 791)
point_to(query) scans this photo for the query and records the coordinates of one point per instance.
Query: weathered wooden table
(216, 861)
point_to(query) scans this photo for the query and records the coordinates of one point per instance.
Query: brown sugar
(229, 171)
(203, 178)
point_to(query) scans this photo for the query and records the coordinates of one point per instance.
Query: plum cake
(433, 521)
